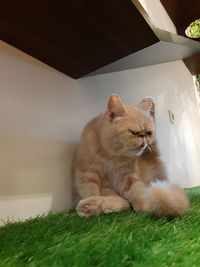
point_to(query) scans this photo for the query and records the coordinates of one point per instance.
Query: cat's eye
(133, 132)
(149, 133)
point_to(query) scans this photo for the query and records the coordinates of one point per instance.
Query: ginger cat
(117, 164)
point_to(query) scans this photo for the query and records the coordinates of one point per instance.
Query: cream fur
(117, 163)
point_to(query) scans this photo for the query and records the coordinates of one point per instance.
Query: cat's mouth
(142, 148)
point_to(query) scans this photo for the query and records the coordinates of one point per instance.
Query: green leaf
(193, 30)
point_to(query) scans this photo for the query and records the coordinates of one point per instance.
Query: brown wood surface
(182, 13)
(75, 36)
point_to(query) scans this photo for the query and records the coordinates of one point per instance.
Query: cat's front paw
(89, 206)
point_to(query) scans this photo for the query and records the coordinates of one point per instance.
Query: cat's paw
(89, 206)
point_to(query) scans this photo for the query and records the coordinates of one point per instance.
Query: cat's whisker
(120, 153)
(149, 148)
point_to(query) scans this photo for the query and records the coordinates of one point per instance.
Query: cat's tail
(164, 199)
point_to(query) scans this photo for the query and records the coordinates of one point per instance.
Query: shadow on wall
(34, 176)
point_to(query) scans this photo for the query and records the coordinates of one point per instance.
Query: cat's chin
(140, 151)
(132, 153)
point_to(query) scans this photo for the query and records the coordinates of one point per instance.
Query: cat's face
(128, 130)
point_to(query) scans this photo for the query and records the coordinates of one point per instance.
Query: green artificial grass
(123, 239)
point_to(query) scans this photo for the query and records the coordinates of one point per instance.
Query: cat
(117, 165)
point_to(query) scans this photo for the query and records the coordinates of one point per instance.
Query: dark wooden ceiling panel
(182, 13)
(75, 36)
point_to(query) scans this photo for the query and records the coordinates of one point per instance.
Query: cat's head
(128, 130)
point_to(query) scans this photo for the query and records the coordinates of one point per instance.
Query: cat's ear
(148, 105)
(116, 108)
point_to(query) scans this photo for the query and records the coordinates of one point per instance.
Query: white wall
(42, 112)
